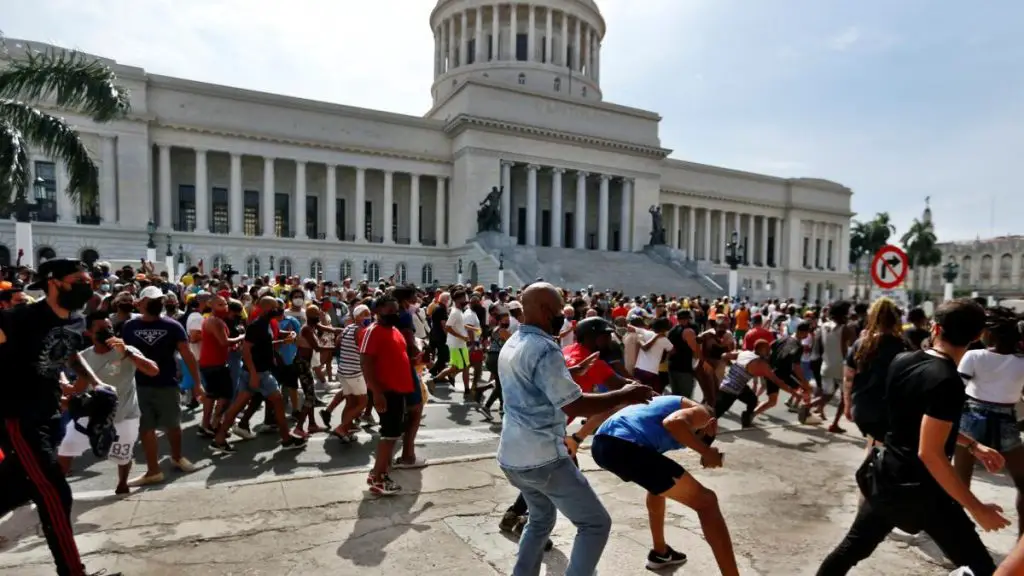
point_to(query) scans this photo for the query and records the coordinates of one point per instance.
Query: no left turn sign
(889, 267)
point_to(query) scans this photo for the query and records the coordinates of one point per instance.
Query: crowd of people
(645, 374)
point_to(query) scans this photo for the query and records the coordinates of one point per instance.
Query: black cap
(54, 270)
(593, 327)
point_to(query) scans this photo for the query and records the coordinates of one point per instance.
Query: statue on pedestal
(657, 226)
(488, 217)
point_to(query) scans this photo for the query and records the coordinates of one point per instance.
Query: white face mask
(297, 302)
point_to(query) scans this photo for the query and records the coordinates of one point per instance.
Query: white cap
(515, 305)
(151, 292)
(360, 310)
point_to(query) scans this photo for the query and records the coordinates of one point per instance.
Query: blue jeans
(560, 487)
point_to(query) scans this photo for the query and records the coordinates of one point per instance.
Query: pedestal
(169, 265)
(947, 292)
(151, 255)
(459, 281)
(501, 279)
(181, 269)
(734, 283)
(23, 242)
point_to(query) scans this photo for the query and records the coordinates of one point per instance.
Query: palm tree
(919, 242)
(65, 80)
(867, 238)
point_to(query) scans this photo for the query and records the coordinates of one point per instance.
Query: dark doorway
(521, 227)
(545, 227)
(569, 231)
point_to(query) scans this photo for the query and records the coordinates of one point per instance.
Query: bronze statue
(488, 217)
(657, 227)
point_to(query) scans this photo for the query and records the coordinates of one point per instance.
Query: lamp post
(950, 270)
(151, 243)
(768, 282)
(181, 260)
(23, 208)
(501, 270)
(734, 257)
(459, 279)
(366, 271)
(169, 257)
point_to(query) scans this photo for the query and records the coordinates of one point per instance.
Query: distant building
(992, 267)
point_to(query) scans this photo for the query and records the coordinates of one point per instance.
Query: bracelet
(576, 438)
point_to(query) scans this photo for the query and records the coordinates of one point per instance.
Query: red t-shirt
(387, 346)
(758, 333)
(620, 312)
(599, 371)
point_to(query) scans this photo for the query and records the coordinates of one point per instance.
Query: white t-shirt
(469, 318)
(648, 360)
(194, 324)
(993, 377)
(570, 336)
(513, 325)
(456, 323)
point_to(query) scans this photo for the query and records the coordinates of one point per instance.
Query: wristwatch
(576, 438)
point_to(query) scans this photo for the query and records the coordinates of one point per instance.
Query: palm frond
(55, 138)
(13, 164)
(73, 80)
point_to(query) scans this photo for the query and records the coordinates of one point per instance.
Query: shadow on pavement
(382, 520)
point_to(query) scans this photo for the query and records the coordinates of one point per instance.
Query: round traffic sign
(889, 267)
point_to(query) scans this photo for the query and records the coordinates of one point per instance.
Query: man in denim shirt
(539, 394)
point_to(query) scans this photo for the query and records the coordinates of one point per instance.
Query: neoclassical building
(231, 176)
(991, 267)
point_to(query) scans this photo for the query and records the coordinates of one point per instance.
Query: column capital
(508, 163)
(558, 170)
(441, 178)
(202, 151)
(606, 177)
(268, 160)
(235, 155)
(629, 181)
(582, 175)
(300, 163)
(331, 166)
(533, 167)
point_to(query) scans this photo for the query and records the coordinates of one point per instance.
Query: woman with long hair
(867, 365)
(995, 380)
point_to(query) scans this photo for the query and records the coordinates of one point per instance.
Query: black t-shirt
(914, 336)
(919, 384)
(437, 320)
(785, 353)
(158, 340)
(868, 389)
(261, 337)
(39, 344)
(681, 360)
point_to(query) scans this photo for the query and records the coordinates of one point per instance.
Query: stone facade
(991, 267)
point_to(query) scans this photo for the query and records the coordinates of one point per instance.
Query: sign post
(889, 267)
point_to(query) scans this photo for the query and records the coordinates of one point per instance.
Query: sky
(898, 100)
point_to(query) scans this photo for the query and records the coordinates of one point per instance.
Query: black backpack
(99, 406)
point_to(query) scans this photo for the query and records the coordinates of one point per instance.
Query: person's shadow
(382, 520)
(23, 522)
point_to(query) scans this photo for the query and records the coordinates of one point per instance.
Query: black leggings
(441, 359)
(725, 400)
(491, 363)
(948, 526)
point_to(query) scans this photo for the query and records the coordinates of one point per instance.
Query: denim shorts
(994, 425)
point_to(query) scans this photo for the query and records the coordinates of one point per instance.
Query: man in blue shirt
(539, 393)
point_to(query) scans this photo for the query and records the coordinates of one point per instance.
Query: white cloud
(845, 40)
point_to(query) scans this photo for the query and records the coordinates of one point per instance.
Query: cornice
(816, 183)
(465, 121)
(518, 158)
(317, 144)
(719, 197)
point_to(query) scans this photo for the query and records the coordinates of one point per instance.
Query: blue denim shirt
(535, 385)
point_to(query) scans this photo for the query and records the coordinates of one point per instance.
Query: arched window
(346, 269)
(400, 273)
(558, 84)
(985, 277)
(373, 272)
(1005, 270)
(252, 266)
(5, 256)
(316, 269)
(522, 79)
(89, 256)
(965, 271)
(428, 274)
(284, 267)
(43, 254)
(219, 262)
(473, 273)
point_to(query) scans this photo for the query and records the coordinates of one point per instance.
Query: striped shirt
(348, 351)
(737, 377)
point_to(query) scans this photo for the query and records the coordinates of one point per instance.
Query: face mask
(102, 336)
(556, 324)
(389, 319)
(125, 307)
(297, 302)
(171, 309)
(75, 297)
(154, 307)
(104, 288)
(366, 322)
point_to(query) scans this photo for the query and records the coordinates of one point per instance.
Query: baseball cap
(54, 270)
(593, 326)
(515, 305)
(151, 292)
(499, 309)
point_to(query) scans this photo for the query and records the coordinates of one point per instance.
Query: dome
(545, 45)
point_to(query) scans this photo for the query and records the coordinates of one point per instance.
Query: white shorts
(122, 451)
(353, 385)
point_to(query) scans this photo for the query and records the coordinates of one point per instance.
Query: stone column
(579, 42)
(563, 45)
(751, 241)
(597, 58)
(389, 200)
(814, 245)
(439, 212)
(580, 217)
(331, 201)
(108, 182)
(202, 193)
(361, 205)
(513, 30)
(557, 216)
(677, 225)
(531, 34)
(414, 209)
(778, 242)
(531, 204)
(495, 32)
(164, 188)
(437, 51)
(602, 214)
(588, 56)
(549, 55)
(626, 228)
(692, 232)
(300, 199)
(462, 37)
(764, 241)
(506, 197)
(707, 234)
(235, 195)
(844, 251)
(452, 44)
(478, 38)
(267, 205)
(723, 234)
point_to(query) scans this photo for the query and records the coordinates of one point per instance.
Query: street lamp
(768, 282)
(169, 257)
(366, 271)
(181, 260)
(273, 271)
(950, 270)
(734, 253)
(501, 270)
(829, 287)
(151, 243)
(460, 271)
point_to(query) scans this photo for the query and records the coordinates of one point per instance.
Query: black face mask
(171, 309)
(125, 307)
(389, 319)
(154, 307)
(75, 297)
(101, 336)
(556, 324)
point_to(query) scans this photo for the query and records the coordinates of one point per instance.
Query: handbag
(905, 504)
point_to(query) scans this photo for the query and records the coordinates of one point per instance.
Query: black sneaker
(325, 416)
(747, 419)
(508, 521)
(293, 443)
(222, 448)
(657, 561)
(205, 432)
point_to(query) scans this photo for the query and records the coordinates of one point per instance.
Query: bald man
(214, 347)
(258, 359)
(538, 394)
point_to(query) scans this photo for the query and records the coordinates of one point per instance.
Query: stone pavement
(788, 496)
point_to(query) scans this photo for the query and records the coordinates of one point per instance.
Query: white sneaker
(242, 432)
(813, 420)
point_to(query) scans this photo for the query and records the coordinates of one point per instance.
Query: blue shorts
(415, 398)
(268, 384)
(994, 425)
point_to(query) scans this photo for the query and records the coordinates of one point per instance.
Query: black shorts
(392, 421)
(217, 382)
(640, 465)
(773, 388)
(287, 376)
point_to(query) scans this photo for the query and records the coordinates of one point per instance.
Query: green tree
(920, 245)
(62, 80)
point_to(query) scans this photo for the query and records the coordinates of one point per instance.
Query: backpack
(99, 406)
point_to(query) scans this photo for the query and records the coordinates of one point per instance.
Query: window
(521, 47)
(252, 266)
(522, 79)
(281, 215)
(312, 217)
(558, 84)
(428, 274)
(220, 211)
(251, 213)
(89, 256)
(5, 256)
(373, 272)
(471, 51)
(420, 227)
(568, 55)
(828, 255)
(394, 222)
(368, 229)
(45, 253)
(186, 208)
(490, 46)
(346, 269)
(400, 273)
(817, 252)
(543, 48)
(339, 218)
(48, 172)
(474, 275)
(284, 267)
(807, 252)
(316, 269)
(219, 262)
